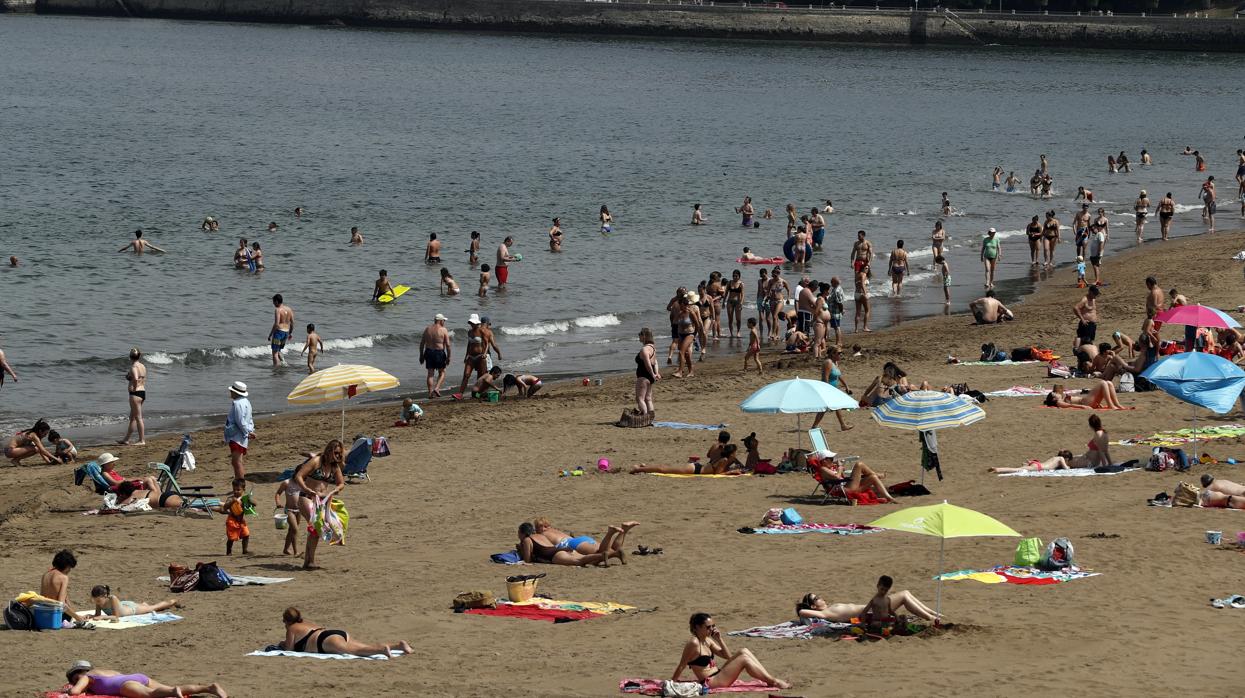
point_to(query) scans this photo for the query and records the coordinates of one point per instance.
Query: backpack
(18, 617)
(211, 578)
(1160, 460)
(987, 352)
(1022, 354)
(474, 599)
(1058, 556)
(1028, 552)
(380, 447)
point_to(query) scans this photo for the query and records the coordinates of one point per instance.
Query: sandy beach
(459, 483)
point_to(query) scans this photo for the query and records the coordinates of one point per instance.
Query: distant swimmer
(1043, 165)
(996, 178)
(1187, 151)
(607, 221)
(1083, 194)
(432, 253)
(698, 218)
(272, 227)
(746, 212)
(257, 257)
(938, 238)
(473, 249)
(818, 222)
(1141, 208)
(898, 268)
(1121, 163)
(448, 285)
(139, 245)
(209, 224)
(356, 238)
(828, 208)
(282, 327)
(298, 211)
(748, 256)
(946, 204)
(382, 285)
(484, 278)
(1146, 161)
(1167, 209)
(504, 258)
(555, 236)
(312, 347)
(1011, 182)
(12, 261)
(1199, 162)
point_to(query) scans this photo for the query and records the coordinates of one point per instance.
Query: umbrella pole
(942, 546)
(799, 433)
(343, 439)
(1196, 458)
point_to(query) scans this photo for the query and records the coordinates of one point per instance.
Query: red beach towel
(553, 615)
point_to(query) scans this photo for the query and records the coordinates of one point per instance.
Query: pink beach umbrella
(1196, 316)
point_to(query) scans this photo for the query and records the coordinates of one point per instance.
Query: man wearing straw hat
(239, 428)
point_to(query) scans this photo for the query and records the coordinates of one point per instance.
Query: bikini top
(703, 660)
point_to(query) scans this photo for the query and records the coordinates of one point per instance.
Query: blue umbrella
(798, 396)
(1198, 378)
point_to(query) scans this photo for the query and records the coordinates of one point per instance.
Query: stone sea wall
(732, 22)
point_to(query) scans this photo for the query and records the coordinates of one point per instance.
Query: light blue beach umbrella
(1200, 379)
(798, 396)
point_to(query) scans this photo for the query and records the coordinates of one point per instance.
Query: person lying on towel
(885, 604)
(1221, 494)
(719, 466)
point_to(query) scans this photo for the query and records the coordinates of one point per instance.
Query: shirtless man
(1011, 182)
(698, 218)
(432, 253)
(55, 582)
(1176, 299)
(6, 368)
(434, 353)
(312, 347)
(503, 259)
(1083, 194)
(139, 245)
(862, 251)
(1033, 232)
(282, 327)
(996, 178)
(1154, 297)
(989, 311)
(356, 238)
(1050, 239)
(1043, 166)
(674, 308)
(805, 302)
(946, 205)
(382, 285)
(242, 255)
(898, 268)
(1141, 208)
(1086, 312)
(1166, 209)
(818, 222)
(1080, 224)
(1208, 201)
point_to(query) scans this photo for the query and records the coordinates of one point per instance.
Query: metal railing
(935, 9)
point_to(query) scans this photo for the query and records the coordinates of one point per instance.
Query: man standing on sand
(1208, 199)
(504, 257)
(6, 368)
(1086, 312)
(239, 428)
(1097, 247)
(1154, 297)
(434, 353)
(282, 328)
(805, 300)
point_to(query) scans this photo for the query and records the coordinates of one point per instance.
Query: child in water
(484, 276)
(235, 518)
(474, 249)
(448, 285)
(312, 347)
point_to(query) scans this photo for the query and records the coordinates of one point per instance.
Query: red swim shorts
(235, 447)
(503, 274)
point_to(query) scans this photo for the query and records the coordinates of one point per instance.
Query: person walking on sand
(136, 382)
(1141, 207)
(5, 367)
(1097, 246)
(647, 372)
(434, 353)
(282, 328)
(1086, 312)
(1208, 200)
(502, 269)
(239, 428)
(139, 245)
(861, 321)
(1050, 239)
(991, 253)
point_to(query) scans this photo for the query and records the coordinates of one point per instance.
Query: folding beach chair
(193, 496)
(831, 488)
(358, 458)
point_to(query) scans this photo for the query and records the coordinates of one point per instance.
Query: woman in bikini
(320, 476)
(1097, 454)
(646, 372)
(1101, 397)
(1064, 460)
(607, 221)
(735, 304)
(25, 444)
(475, 360)
(136, 379)
(109, 606)
(85, 678)
(812, 608)
(448, 285)
(301, 636)
(715, 291)
(718, 466)
(538, 547)
(706, 643)
(938, 237)
(687, 321)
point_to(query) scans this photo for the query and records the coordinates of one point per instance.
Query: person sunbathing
(862, 478)
(1221, 494)
(706, 643)
(891, 383)
(128, 493)
(109, 471)
(584, 544)
(720, 466)
(1101, 396)
(812, 607)
(753, 456)
(715, 451)
(884, 605)
(1107, 364)
(536, 547)
(1063, 461)
(301, 636)
(84, 678)
(109, 605)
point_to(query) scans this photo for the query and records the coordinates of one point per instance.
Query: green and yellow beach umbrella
(340, 382)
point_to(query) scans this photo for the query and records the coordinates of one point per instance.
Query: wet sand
(458, 485)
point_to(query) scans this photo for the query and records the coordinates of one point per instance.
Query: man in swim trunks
(804, 303)
(282, 327)
(996, 177)
(1011, 182)
(432, 253)
(818, 222)
(1080, 223)
(1154, 297)
(382, 285)
(862, 251)
(434, 353)
(503, 258)
(989, 311)
(1086, 312)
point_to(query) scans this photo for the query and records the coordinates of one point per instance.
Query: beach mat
(652, 687)
(1180, 437)
(1008, 362)
(1071, 472)
(839, 529)
(534, 612)
(594, 606)
(137, 621)
(64, 693)
(685, 425)
(704, 475)
(270, 652)
(792, 630)
(1028, 391)
(1010, 574)
(243, 580)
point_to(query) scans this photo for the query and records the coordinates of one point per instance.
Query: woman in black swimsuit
(705, 643)
(646, 373)
(136, 380)
(735, 304)
(319, 476)
(537, 547)
(301, 636)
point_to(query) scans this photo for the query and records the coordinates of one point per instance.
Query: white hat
(474, 319)
(80, 665)
(1143, 192)
(439, 316)
(828, 454)
(238, 388)
(992, 230)
(105, 459)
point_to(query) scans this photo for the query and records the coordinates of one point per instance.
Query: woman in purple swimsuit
(85, 678)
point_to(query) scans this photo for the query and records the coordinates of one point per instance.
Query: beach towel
(704, 475)
(1028, 391)
(1010, 574)
(136, 621)
(1071, 472)
(242, 580)
(685, 425)
(275, 651)
(533, 612)
(1173, 439)
(793, 630)
(840, 529)
(652, 687)
(64, 693)
(594, 606)
(510, 557)
(1006, 362)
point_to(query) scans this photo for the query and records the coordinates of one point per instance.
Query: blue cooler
(48, 615)
(791, 517)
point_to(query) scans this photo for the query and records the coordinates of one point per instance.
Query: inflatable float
(760, 260)
(788, 250)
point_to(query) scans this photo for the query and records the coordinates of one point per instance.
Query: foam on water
(538, 329)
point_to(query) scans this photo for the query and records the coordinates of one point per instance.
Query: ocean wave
(537, 329)
(1185, 208)
(531, 360)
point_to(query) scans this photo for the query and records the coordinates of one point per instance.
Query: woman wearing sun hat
(84, 677)
(239, 428)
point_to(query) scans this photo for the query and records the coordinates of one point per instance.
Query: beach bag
(188, 580)
(1186, 495)
(1058, 370)
(1126, 384)
(1028, 552)
(764, 467)
(1160, 461)
(210, 577)
(680, 689)
(1022, 354)
(1058, 556)
(330, 521)
(380, 447)
(18, 617)
(474, 599)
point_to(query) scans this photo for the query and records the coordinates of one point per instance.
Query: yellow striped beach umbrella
(340, 382)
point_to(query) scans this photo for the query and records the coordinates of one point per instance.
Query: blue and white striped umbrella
(927, 410)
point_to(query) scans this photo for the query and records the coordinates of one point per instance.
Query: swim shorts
(1210, 208)
(835, 322)
(995, 186)
(236, 530)
(803, 320)
(818, 236)
(434, 260)
(1095, 260)
(235, 447)
(747, 222)
(572, 543)
(857, 265)
(279, 338)
(979, 317)
(503, 274)
(1087, 331)
(436, 359)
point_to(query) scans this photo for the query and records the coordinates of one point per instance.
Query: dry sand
(459, 484)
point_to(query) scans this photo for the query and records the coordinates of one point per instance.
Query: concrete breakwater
(704, 21)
